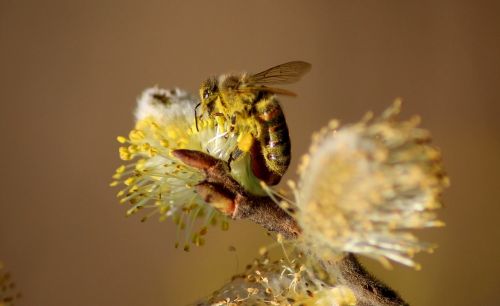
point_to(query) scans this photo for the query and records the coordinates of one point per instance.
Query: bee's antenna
(196, 116)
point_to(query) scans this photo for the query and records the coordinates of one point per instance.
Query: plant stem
(368, 289)
(224, 193)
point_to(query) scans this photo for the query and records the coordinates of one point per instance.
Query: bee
(255, 114)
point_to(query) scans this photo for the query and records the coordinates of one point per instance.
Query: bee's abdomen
(274, 138)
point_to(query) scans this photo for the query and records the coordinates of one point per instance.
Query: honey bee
(255, 114)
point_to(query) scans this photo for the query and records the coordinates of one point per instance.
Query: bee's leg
(234, 156)
(233, 123)
(230, 159)
(257, 128)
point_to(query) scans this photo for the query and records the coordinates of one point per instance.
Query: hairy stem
(368, 289)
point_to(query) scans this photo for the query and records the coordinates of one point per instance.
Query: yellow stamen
(124, 154)
(164, 143)
(129, 181)
(132, 149)
(120, 169)
(145, 147)
(136, 135)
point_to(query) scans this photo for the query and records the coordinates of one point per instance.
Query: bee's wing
(282, 74)
(274, 90)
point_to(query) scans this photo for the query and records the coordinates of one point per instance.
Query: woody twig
(221, 191)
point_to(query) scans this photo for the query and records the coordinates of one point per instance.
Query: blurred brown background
(70, 72)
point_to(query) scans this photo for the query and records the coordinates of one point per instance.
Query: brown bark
(221, 191)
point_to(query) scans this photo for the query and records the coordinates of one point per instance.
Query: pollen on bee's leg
(216, 196)
(195, 159)
(245, 142)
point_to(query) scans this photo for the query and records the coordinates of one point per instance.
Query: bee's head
(209, 92)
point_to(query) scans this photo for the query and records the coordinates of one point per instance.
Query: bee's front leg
(233, 123)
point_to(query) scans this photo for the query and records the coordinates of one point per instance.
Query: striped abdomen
(274, 140)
